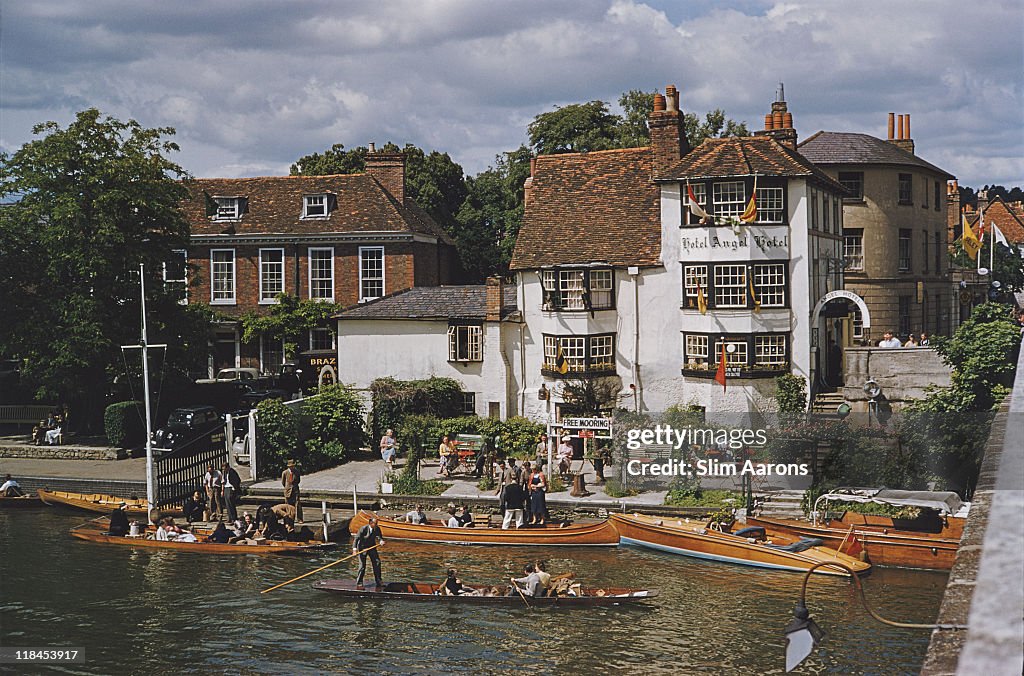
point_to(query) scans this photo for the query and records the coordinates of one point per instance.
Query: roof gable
(830, 147)
(597, 207)
(432, 303)
(1008, 222)
(274, 207)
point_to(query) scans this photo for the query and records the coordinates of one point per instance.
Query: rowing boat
(99, 503)
(928, 541)
(423, 591)
(19, 501)
(93, 531)
(749, 547)
(601, 533)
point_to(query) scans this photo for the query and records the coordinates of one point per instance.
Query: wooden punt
(928, 541)
(20, 501)
(423, 591)
(695, 539)
(93, 531)
(99, 503)
(600, 534)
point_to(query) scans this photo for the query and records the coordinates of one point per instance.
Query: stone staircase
(827, 402)
(782, 504)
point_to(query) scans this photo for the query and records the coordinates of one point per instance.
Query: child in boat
(452, 586)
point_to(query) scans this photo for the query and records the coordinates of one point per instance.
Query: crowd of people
(536, 582)
(522, 492)
(889, 339)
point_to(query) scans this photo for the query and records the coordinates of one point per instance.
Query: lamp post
(803, 634)
(298, 374)
(873, 390)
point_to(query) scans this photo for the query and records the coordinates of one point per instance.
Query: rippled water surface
(162, 612)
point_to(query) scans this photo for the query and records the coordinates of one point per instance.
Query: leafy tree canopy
(288, 320)
(89, 203)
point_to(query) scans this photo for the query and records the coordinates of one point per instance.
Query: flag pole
(981, 220)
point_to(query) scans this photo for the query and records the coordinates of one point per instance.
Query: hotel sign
(699, 243)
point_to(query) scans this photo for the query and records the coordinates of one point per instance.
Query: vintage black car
(187, 424)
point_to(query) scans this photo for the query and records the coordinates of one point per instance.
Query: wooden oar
(521, 594)
(320, 568)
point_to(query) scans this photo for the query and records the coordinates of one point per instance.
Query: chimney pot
(788, 120)
(494, 292)
(768, 122)
(533, 166)
(659, 103)
(899, 127)
(892, 126)
(370, 147)
(906, 127)
(671, 100)
(777, 120)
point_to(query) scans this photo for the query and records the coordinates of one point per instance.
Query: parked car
(243, 374)
(249, 400)
(187, 424)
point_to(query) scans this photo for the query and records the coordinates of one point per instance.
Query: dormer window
(226, 208)
(316, 206)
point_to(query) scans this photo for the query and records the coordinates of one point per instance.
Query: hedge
(124, 423)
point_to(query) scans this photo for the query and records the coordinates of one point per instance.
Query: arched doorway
(842, 328)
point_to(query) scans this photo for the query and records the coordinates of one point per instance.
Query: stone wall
(25, 450)
(904, 373)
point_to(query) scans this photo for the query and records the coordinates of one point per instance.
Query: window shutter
(453, 344)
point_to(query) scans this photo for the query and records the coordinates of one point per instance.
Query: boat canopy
(943, 502)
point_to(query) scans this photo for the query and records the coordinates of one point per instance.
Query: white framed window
(175, 274)
(904, 251)
(694, 275)
(271, 353)
(315, 206)
(228, 208)
(730, 286)
(770, 284)
(769, 350)
(222, 276)
(735, 352)
(730, 198)
(695, 350)
(770, 205)
(321, 338)
(321, 273)
(853, 248)
(371, 272)
(858, 323)
(575, 350)
(700, 192)
(602, 353)
(469, 403)
(465, 343)
(570, 289)
(601, 289)
(271, 274)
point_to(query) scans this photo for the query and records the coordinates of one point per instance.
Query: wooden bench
(23, 414)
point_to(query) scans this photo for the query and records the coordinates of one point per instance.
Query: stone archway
(829, 368)
(847, 295)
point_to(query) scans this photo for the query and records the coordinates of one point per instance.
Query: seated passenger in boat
(244, 528)
(194, 507)
(220, 534)
(416, 516)
(453, 519)
(119, 521)
(10, 489)
(465, 517)
(529, 585)
(452, 586)
(544, 579)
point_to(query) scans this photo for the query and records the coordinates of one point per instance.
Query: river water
(162, 612)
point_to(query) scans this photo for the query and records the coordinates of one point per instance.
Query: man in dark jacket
(119, 521)
(232, 485)
(368, 536)
(290, 479)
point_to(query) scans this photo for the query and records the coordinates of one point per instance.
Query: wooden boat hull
(884, 543)
(601, 534)
(99, 503)
(421, 591)
(93, 532)
(692, 539)
(19, 502)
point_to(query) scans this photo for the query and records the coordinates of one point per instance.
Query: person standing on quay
(213, 482)
(232, 485)
(366, 537)
(290, 479)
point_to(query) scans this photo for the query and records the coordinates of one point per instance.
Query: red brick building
(343, 239)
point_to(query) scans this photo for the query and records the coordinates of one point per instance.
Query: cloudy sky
(252, 85)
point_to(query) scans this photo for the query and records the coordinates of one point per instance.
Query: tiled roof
(275, 207)
(1000, 213)
(831, 147)
(598, 207)
(432, 302)
(746, 156)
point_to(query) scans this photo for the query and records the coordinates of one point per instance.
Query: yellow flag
(749, 214)
(561, 363)
(702, 302)
(969, 241)
(753, 295)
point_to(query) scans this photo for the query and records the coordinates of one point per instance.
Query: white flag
(998, 234)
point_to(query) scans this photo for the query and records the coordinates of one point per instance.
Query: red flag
(855, 547)
(720, 374)
(693, 205)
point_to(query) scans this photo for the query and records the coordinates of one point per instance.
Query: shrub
(394, 399)
(517, 436)
(613, 488)
(791, 393)
(277, 437)
(124, 424)
(404, 483)
(335, 418)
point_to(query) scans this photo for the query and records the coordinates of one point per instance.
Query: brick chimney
(389, 170)
(668, 134)
(900, 136)
(778, 124)
(952, 211)
(528, 183)
(495, 293)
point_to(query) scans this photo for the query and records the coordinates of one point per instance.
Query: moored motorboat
(749, 547)
(601, 533)
(929, 540)
(424, 591)
(15, 502)
(99, 503)
(95, 531)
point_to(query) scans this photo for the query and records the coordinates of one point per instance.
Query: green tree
(1007, 265)
(637, 105)
(288, 320)
(335, 424)
(89, 203)
(715, 125)
(575, 128)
